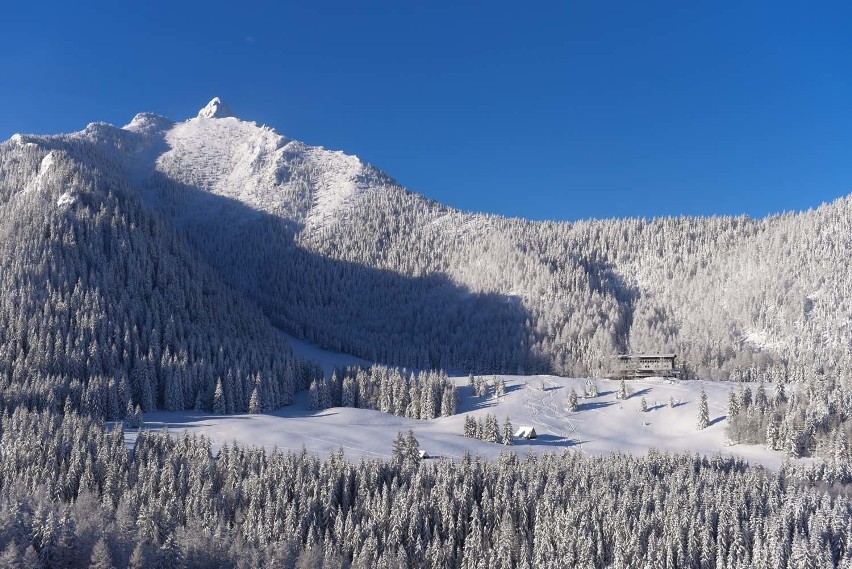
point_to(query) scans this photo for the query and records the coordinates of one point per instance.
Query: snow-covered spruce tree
(412, 450)
(772, 435)
(130, 417)
(571, 404)
(491, 429)
(508, 432)
(500, 388)
(703, 411)
(745, 398)
(11, 556)
(643, 405)
(254, 402)
(780, 392)
(590, 389)
(622, 394)
(733, 404)
(313, 396)
(399, 450)
(219, 407)
(324, 397)
(761, 401)
(101, 557)
(348, 395)
(469, 427)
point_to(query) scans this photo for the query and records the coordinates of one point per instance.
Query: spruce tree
(254, 402)
(571, 404)
(398, 451)
(138, 421)
(219, 406)
(348, 392)
(140, 558)
(412, 449)
(500, 388)
(703, 411)
(469, 427)
(313, 396)
(760, 398)
(101, 557)
(745, 398)
(30, 558)
(508, 433)
(130, 417)
(622, 391)
(780, 397)
(591, 388)
(492, 429)
(733, 405)
(11, 556)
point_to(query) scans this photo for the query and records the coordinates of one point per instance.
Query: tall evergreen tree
(508, 432)
(703, 411)
(219, 404)
(254, 402)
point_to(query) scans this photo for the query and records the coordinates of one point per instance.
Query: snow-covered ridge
(149, 123)
(241, 160)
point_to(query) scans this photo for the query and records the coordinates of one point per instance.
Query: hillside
(186, 274)
(335, 252)
(102, 305)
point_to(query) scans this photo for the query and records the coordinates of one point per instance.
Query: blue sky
(563, 110)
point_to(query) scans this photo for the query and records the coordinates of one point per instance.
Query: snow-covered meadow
(600, 425)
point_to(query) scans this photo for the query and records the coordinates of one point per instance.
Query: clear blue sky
(564, 110)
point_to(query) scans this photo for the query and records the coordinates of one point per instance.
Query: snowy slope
(328, 360)
(600, 426)
(257, 167)
(723, 293)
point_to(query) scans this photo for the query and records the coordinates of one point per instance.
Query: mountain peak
(216, 109)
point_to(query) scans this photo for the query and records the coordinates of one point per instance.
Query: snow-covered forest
(366, 267)
(79, 497)
(102, 304)
(424, 395)
(154, 266)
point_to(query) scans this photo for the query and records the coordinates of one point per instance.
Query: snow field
(600, 425)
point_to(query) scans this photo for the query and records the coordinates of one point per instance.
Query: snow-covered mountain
(335, 252)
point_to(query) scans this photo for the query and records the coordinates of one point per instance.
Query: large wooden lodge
(634, 366)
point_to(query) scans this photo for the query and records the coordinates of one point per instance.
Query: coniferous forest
(150, 268)
(72, 495)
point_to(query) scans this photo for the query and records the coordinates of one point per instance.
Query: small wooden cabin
(634, 366)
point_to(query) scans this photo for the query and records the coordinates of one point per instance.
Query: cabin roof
(525, 431)
(637, 356)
